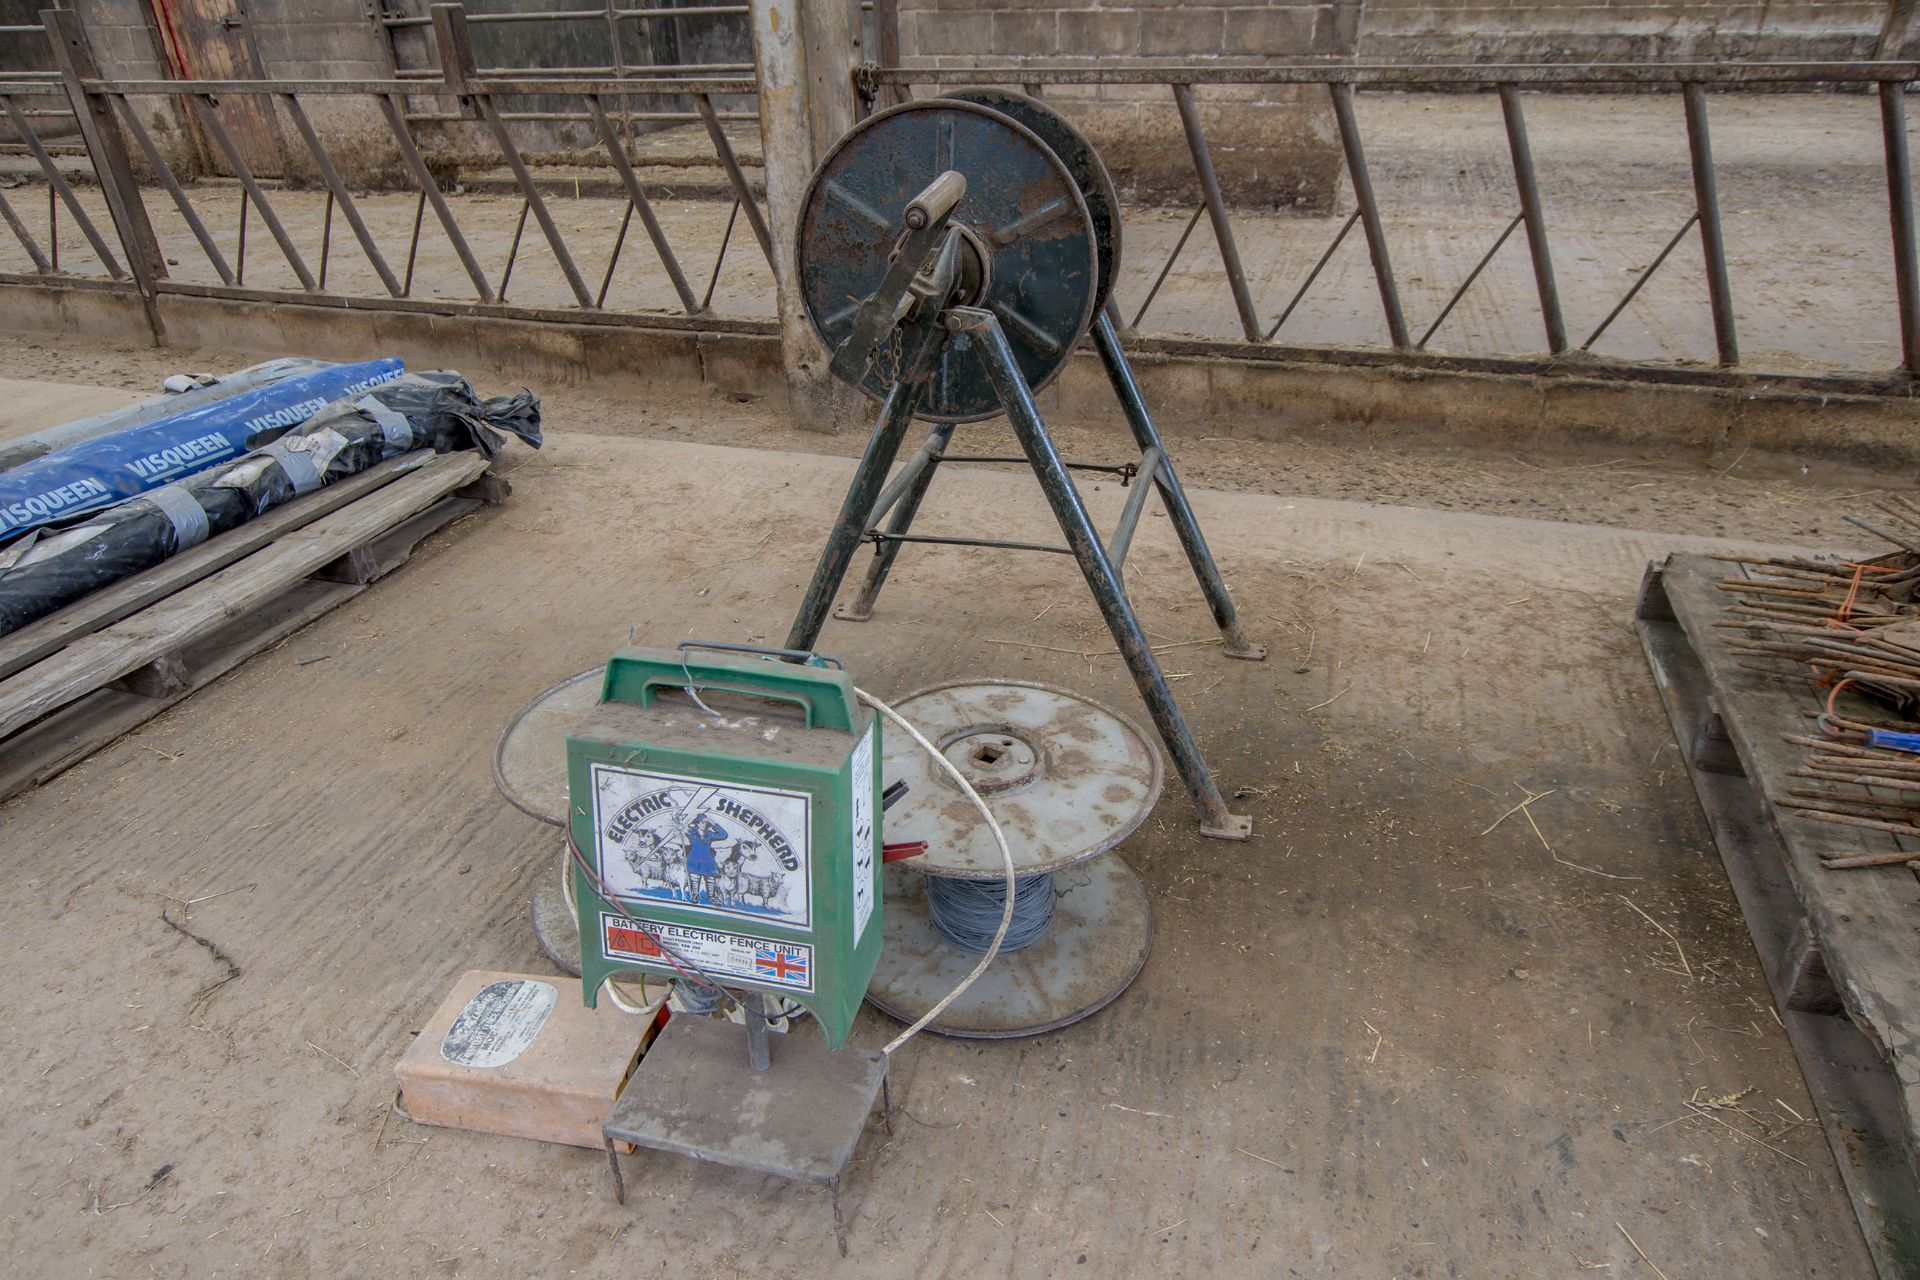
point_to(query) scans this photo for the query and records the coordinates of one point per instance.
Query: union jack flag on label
(782, 964)
(657, 945)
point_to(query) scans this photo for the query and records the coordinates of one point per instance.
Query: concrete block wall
(1393, 30)
(1173, 30)
(1272, 145)
(1618, 30)
(330, 40)
(126, 47)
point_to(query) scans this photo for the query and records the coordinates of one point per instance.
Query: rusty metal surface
(694, 1095)
(1022, 212)
(1066, 777)
(1102, 929)
(1082, 161)
(530, 759)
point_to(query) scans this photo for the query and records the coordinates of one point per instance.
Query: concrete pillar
(804, 53)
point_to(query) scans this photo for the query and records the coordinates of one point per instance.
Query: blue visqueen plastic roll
(99, 472)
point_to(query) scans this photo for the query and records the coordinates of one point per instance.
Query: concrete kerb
(1190, 395)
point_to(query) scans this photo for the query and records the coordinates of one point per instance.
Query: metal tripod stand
(927, 338)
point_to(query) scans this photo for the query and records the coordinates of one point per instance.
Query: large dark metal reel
(1023, 214)
(1082, 161)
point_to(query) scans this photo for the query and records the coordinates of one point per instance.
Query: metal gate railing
(109, 112)
(1691, 82)
(116, 222)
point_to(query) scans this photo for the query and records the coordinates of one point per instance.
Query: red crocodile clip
(903, 851)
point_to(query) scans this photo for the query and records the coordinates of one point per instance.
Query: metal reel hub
(1023, 215)
(1067, 779)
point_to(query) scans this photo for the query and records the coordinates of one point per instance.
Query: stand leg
(886, 1105)
(839, 1218)
(758, 1055)
(1225, 616)
(619, 1183)
(1057, 484)
(861, 609)
(844, 540)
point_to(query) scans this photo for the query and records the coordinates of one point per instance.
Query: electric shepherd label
(499, 1023)
(732, 955)
(862, 812)
(732, 851)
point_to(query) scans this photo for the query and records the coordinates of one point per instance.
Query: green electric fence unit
(725, 812)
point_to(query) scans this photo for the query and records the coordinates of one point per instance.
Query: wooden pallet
(76, 680)
(1840, 949)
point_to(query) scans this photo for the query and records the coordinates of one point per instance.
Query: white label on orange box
(499, 1023)
(731, 955)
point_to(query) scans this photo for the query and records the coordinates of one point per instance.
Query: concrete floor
(1397, 1034)
(1801, 181)
(28, 404)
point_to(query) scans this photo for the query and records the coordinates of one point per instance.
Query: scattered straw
(1517, 808)
(1665, 932)
(1643, 1253)
(1330, 701)
(1738, 1132)
(337, 1058)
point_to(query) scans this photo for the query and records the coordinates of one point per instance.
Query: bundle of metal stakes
(1853, 627)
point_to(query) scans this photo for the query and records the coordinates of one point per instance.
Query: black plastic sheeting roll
(44, 571)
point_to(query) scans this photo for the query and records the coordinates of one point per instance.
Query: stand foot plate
(693, 1094)
(1102, 928)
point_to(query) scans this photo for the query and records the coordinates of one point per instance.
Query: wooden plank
(187, 615)
(1860, 1099)
(110, 604)
(68, 736)
(1809, 986)
(377, 559)
(165, 675)
(59, 741)
(1712, 749)
(1866, 922)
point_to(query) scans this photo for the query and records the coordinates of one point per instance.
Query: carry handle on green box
(826, 695)
(744, 845)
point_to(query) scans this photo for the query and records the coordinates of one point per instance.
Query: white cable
(613, 994)
(566, 888)
(1006, 856)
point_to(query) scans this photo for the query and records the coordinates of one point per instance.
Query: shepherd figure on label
(703, 866)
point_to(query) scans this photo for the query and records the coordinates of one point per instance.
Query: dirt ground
(1802, 189)
(1753, 494)
(1403, 1032)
